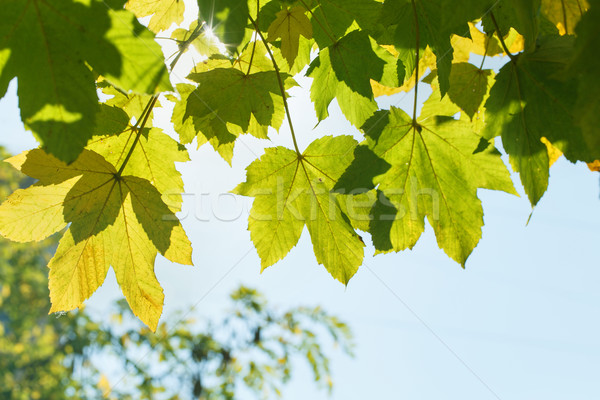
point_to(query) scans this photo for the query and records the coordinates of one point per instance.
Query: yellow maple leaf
(114, 220)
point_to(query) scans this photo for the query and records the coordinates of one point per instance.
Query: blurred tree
(251, 350)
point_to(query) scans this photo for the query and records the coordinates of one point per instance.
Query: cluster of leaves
(254, 348)
(105, 172)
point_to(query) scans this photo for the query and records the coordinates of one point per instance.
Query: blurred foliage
(252, 350)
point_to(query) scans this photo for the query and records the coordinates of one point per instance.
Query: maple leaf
(113, 220)
(46, 45)
(337, 75)
(292, 191)
(528, 102)
(288, 26)
(433, 171)
(164, 12)
(229, 102)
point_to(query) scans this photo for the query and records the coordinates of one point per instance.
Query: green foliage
(409, 168)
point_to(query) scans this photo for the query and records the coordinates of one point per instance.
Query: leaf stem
(281, 86)
(417, 40)
(508, 53)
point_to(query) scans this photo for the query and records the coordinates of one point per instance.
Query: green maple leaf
(288, 26)
(437, 22)
(433, 172)
(338, 75)
(292, 191)
(528, 102)
(118, 221)
(164, 12)
(46, 45)
(229, 102)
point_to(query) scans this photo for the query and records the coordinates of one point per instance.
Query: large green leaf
(229, 102)
(292, 191)
(46, 45)
(434, 172)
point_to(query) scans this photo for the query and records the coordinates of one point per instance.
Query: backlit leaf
(113, 221)
(292, 191)
(435, 173)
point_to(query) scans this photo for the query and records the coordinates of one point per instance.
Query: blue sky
(520, 322)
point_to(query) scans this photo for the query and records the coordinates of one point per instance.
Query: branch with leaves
(111, 182)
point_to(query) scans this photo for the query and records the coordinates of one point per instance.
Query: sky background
(522, 321)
